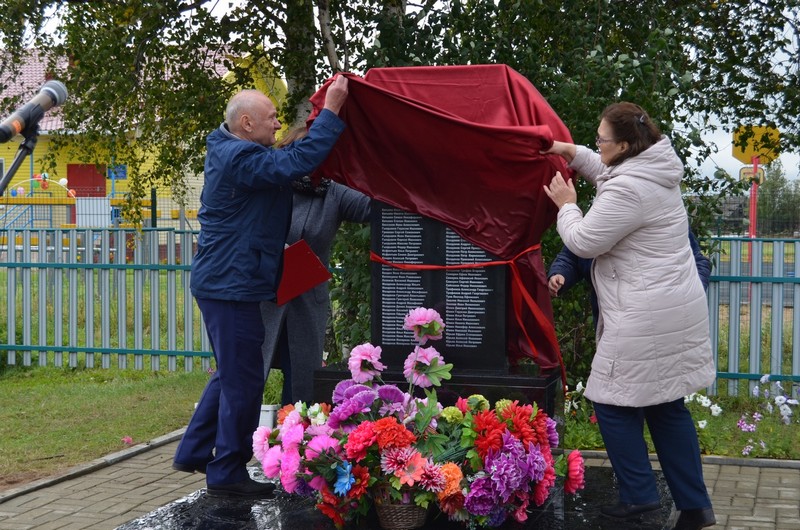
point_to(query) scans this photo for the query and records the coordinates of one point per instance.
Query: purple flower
(390, 394)
(508, 468)
(304, 489)
(392, 398)
(552, 433)
(497, 517)
(355, 389)
(338, 391)
(344, 411)
(480, 500)
(536, 463)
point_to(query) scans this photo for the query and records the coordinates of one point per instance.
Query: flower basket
(401, 516)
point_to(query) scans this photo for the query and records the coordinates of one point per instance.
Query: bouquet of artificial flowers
(379, 444)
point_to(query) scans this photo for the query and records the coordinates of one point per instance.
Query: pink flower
(520, 514)
(271, 464)
(318, 482)
(432, 478)
(406, 463)
(365, 362)
(291, 437)
(261, 442)
(290, 465)
(574, 480)
(292, 418)
(319, 444)
(127, 440)
(425, 323)
(414, 367)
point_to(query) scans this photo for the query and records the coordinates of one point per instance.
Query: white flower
(764, 379)
(716, 410)
(755, 391)
(792, 401)
(704, 401)
(702, 424)
(579, 387)
(689, 398)
(316, 415)
(780, 400)
(785, 410)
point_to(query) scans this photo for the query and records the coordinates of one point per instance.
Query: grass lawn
(53, 418)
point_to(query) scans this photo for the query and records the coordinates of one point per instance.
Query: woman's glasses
(598, 140)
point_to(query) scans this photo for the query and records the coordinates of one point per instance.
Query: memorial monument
(421, 262)
(458, 146)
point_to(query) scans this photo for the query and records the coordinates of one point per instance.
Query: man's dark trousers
(220, 433)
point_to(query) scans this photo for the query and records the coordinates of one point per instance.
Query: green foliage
(580, 425)
(350, 289)
(144, 77)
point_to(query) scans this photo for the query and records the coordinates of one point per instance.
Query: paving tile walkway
(106, 493)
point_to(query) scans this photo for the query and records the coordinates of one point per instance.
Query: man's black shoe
(624, 511)
(188, 468)
(246, 489)
(695, 519)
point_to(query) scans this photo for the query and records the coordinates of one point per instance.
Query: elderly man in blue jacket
(246, 206)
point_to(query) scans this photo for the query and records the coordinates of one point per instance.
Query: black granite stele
(471, 301)
(198, 511)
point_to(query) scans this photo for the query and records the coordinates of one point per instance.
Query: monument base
(561, 512)
(523, 383)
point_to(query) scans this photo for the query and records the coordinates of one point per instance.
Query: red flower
(462, 405)
(540, 427)
(490, 433)
(575, 468)
(330, 506)
(359, 487)
(542, 488)
(592, 419)
(390, 433)
(359, 440)
(521, 425)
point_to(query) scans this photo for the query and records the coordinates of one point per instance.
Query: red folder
(302, 270)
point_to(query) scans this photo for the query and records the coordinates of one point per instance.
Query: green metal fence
(754, 305)
(100, 296)
(97, 297)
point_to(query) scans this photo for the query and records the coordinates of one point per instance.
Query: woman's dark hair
(630, 123)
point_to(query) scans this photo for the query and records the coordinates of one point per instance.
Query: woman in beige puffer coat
(653, 344)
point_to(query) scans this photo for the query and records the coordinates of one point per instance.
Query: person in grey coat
(653, 343)
(295, 331)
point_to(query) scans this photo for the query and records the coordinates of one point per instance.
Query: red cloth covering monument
(461, 144)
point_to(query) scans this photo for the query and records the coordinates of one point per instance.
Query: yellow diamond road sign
(763, 142)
